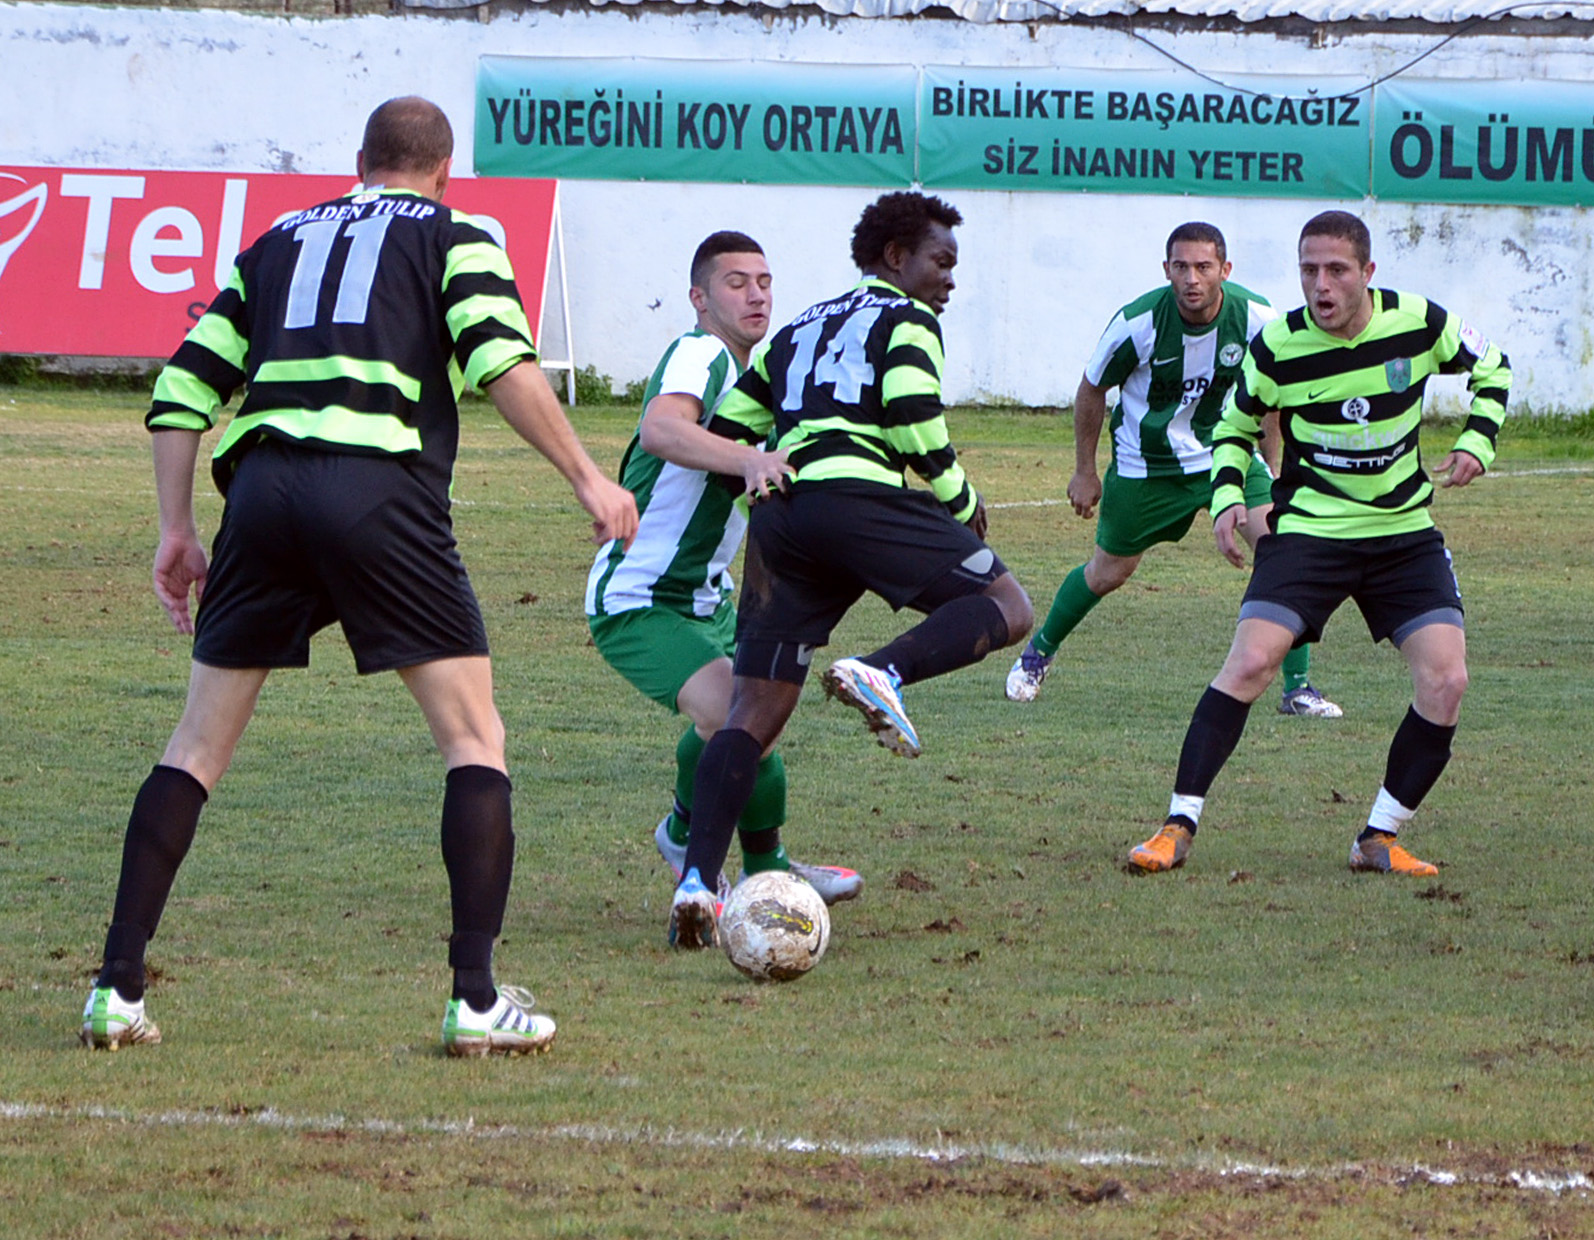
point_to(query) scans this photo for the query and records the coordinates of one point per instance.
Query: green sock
(687, 751)
(1297, 668)
(1073, 603)
(762, 817)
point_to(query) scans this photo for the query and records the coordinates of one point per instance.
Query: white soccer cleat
(110, 1022)
(1025, 676)
(509, 1027)
(877, 694)
(1308, 702)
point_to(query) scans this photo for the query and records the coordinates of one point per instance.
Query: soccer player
(1173, 354)
(1347, 372)
(851, 392)
(353, 325)
(660, 611)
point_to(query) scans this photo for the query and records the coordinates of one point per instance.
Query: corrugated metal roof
(1436, 12)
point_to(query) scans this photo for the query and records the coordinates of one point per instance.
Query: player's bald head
(408, 134)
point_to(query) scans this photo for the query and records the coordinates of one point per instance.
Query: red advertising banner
(102, 263)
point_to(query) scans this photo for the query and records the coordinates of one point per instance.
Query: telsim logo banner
(103, 263)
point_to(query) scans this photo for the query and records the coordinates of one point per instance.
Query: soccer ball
(774, 927)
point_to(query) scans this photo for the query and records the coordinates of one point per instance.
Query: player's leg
(1075, 599)
(1135, 515)
(1436, 653)
(1297, 694)
(1296, 584)
(727, 774)
(1216, 725)
(160, 831)
(478, 845)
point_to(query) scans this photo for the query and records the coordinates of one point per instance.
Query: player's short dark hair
(408, 134)
(1197, 231)
(1346, 227)
(904, 217)
(723, 242)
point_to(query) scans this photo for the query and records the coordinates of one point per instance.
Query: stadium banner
(685, 120)
(1138, 132)
(119, 263)
(1494, 142)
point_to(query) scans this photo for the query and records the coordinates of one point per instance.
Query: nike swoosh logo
(1165, 361)
(1317, 395)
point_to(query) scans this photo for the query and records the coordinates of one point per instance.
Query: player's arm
(1488, 371)
(190, 392)
(672, 430)
(524, 399)
(913, 419)
(1090, 415)
(1234, 442)
(180, 564)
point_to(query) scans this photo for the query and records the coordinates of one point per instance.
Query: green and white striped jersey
(1349, 416)
(354, 325)
(1172, 378)
(691, 523)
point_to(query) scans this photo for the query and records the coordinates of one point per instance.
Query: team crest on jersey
(1357, 409)
(1398, 371)
(1231, 353)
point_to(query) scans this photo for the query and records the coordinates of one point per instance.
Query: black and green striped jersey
(1350, 411)
(1172, 377)
(851, 389)
(354, 325)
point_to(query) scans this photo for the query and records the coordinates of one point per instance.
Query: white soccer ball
(774, 927)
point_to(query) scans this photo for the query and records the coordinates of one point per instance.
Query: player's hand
(1458, 468)
(1084, 492)
(979, 521)
(612, 507)
(1228, 531)
(180, 566)
(765, 474)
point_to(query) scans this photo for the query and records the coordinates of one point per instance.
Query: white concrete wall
(1040, 272)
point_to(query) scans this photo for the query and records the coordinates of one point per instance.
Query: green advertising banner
(1134, 132)
(1527, 143)
(681, 120)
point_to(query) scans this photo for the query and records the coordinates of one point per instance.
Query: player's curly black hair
(904, 217)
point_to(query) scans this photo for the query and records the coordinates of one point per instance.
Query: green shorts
(1139, 513)
(659, 650)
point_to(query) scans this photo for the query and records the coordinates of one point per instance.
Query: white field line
(1555, 1182)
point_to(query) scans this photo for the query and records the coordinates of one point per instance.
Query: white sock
(1388, 814)
(1189, 807)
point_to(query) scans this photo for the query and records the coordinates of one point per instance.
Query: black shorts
(311, 537)
(813, 552)
(1401, 583)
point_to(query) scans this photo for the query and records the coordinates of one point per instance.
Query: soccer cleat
(878, 694)
(1308, 701)
(110, 1022)
(834, 883)
(1379, 854)
(694, 914)
(675, 857)
(1025, 676)
(1163, 851)
(509, 1027)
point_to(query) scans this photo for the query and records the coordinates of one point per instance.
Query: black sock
(479, 855)
(1214, 731)
(160, 832)
(954, 635)
(725, 776)
(1417, 757)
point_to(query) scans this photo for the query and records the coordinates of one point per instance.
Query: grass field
(1010, 1037)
